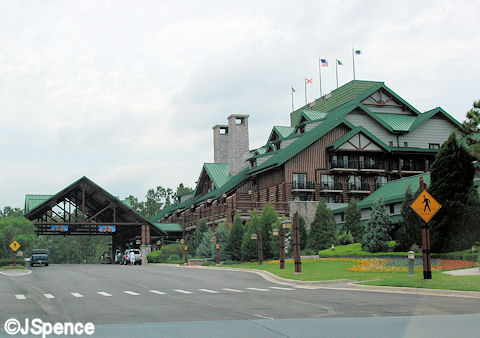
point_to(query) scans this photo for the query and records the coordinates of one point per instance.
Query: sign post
(14, 246)
(426, 207)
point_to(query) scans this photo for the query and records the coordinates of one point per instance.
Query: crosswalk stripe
(208, 291)
(105, 294)
(131, 293)
(182, 291)
(20, 297)
(48, 295)
(76, 295)
(256, 289)
(232, 290)
(157, 292)
(279, 288)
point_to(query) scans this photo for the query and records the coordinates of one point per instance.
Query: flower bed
(398, 265)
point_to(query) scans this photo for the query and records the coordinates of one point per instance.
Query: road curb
(27, 272)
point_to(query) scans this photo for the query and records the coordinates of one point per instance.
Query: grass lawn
(12, 267)
(355, 250)
(338, 268)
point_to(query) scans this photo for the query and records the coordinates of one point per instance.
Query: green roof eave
(422, 118)
(169, 227)
(354, 132)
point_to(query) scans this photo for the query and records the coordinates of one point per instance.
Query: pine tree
(249, 247)
(206, 248)
(451, 185)
(323, 228)
(198, 235)
(377, 229)
(471, 128)
(223, 241)
(268, 219)
(352, 221)
(303, 232)
(235, 237)
(410, 230)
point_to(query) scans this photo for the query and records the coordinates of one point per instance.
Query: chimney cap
(220, 126)
(238, 116)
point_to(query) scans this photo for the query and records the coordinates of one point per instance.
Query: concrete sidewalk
(464, 272)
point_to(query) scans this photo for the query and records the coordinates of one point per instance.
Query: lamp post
(185, 241)
(258, 237)
(286, 224)
(296, 252)
(217, 246)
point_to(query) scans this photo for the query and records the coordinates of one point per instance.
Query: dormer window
(277, 146)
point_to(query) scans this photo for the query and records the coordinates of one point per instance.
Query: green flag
(339, 62)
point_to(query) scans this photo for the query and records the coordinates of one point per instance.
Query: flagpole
(305, 91)
(320, 75)
(353, 60)
(292, 100)
(336, 70)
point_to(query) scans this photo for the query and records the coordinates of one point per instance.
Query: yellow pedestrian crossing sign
(14, 246)
(425, 206)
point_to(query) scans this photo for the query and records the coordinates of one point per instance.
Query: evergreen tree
(377, 229)
(352, 221)
(198, 235)
(206, 249)
(410, 230)
(249, 247)
(268, 220)
(451, 185)
(235, 237)
(223, 241)
(471, 128)
(323, 228)
(303, 232)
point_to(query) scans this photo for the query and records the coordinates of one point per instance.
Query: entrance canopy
(84, 208)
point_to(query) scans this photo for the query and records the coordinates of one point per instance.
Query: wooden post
(297, 253)
(14, 258)
(427, 267)
(282, 247)
(260, 247)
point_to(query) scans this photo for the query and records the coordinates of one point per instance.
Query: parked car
(39, 256)
(126, 257)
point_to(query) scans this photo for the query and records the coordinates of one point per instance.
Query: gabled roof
(422, 118)
(219, 173)
(354, 132)
(344, 94)
(313, 115)
(397, 122)
(281, 132)
(283, 155)
(32, 201)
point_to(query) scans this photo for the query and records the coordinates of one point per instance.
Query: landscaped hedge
(162, 255)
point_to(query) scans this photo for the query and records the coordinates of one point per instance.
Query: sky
(126, 92)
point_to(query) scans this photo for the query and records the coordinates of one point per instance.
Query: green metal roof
(219, 173)
(346, 93)
(283, 131)
(354, 132)
(168, 227)
(32, 201)
(398, 122)
(313, 115)
(422, 118)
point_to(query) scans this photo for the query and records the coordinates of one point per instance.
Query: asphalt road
(145, 298)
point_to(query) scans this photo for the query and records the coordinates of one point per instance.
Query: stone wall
(305, 208)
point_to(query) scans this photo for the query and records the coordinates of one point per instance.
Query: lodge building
(345, 144)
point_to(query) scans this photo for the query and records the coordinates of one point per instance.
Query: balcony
(372, 166)
(411, 168)
(331, 187)
(344, 165)
(359, 187)
(303, 186)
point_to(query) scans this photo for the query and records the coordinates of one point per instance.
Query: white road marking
(256, 289)
(208, 291)
(157, 292)
(105, 294)
(48, 295)
(182, 291)
(131, 293)
(76, 295)
(232, 290)
(20, 297)
(279, 288)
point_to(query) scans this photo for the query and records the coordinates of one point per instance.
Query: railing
(303, 185)
(413, 167)
(331, 186)
(372, 165)
(344, 164)
(378, 185)
(358, 187)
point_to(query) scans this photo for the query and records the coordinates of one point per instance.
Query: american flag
(358, 52)
(324, 62)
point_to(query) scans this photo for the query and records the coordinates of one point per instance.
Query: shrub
(174, 259)
(162, 255)
(470, 257)
(208, 263)
(9, 261)
(308, 252)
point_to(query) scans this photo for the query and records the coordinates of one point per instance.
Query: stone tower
(230, 143)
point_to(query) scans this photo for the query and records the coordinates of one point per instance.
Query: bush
(9, 261)
(308, 252)
(162, 255)
(470, 257)
(208, 263)
(231, 262)
(174, 259)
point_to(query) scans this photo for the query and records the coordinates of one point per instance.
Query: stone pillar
(145, 250)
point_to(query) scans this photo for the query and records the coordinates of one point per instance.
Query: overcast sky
(126, 92)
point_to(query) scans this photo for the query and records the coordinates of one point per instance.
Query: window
(299, 181)
(327, 181)
(380, 181)
(433, 146)
(277, 146)
(392, 208)
(342, 216)
(390, 143)
(239, 120)
(405, 144)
